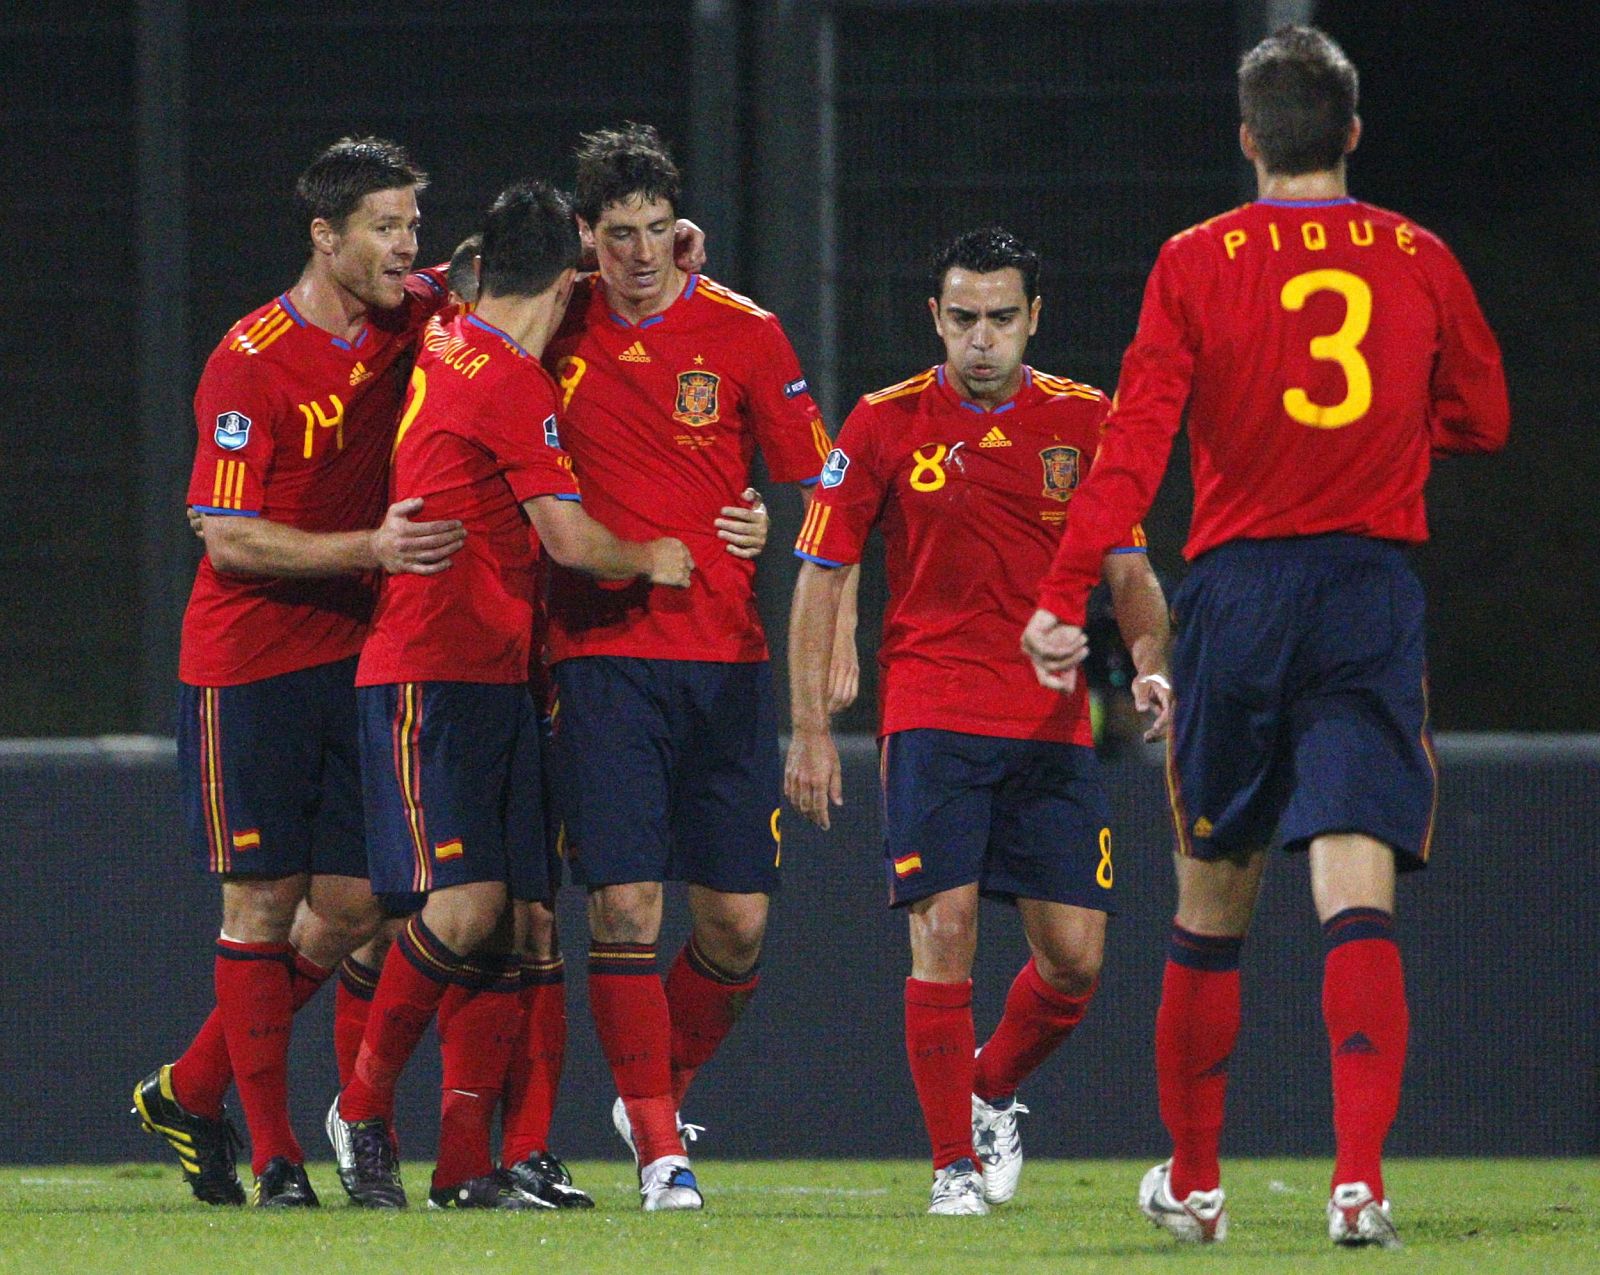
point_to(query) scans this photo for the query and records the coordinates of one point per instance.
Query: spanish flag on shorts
(905, 865)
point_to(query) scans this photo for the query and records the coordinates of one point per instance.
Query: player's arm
(1151, 393)
(577, 541)
(261, 547)
(1140, 608)
(1469, 411)
(811, 775)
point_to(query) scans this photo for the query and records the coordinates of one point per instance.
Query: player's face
(985, 321)
(373, 253)
(633, 242)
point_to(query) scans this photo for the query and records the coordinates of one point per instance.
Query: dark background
(150, 149)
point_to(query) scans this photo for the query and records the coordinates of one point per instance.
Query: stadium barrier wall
(109, 927)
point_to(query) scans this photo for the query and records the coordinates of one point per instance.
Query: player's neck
(986, 399)
(322, 301)
(1326, 184)
(638, 311)
(529, 321)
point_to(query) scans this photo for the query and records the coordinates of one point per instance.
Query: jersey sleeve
(788, 427)
(234, 409)
(849, 495)
(522, 432)
(1469, 409)
(1157, 372)
(1135, 541)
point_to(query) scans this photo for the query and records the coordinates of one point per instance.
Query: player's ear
(1247, 143)
(585, 235)
(324, 238)
(1354, 140)
(933, 309)
(1033, 316)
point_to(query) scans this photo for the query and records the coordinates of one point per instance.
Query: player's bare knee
(535, 936)
(944, 936)
(466, 918)
(261, 909)
(729, 929)
(628, 913)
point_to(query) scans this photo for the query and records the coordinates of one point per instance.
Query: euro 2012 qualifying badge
(833, 468)
(233, 431)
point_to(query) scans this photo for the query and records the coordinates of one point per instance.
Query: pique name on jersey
(1313, 236)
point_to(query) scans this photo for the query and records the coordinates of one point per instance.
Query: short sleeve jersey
(663, 420)
(295, 426)
(971, 504)
(478, 437)
(1325, 350)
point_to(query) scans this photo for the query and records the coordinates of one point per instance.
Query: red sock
(704, 1002)
(352, 999)
(1037, 1018)
(416, 974)
(1196, 1027)
(535, 1071)
(478, 1028)
(1364, 1007)
(202, 1075)
(255, 1001)
(629, 1005)
(939, 1045)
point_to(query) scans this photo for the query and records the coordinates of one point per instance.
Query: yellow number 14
(1341, 347)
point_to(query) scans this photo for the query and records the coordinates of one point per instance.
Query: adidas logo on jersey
(358, 374)
(635, 353)
(994, 438)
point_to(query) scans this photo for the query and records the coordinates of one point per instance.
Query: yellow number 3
(1339, 347)
(927, 474)
(1102, 874)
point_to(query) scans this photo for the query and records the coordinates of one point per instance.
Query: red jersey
(1325, 349)
(663, 419)
(478, 438)
(972, 504)
(295, 426)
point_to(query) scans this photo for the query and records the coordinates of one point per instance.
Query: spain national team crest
(697, 398)
(1060, 472)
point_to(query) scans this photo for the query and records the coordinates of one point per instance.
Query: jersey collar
(1307, 203)
(967, 405)
(494, 331)
(338, 342)
(688, 291)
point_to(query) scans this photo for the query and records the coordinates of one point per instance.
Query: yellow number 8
(928, 472)
(1339, 347)
(1103, 874)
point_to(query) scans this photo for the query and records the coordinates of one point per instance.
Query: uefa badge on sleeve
(233, 431)
(833, 468)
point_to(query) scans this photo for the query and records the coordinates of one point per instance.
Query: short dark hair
(462, 277)
(336, 181)
(1297, 96)
(618, 164)
(986, 251)
(528, 239)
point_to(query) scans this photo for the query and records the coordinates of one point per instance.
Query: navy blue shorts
(1024, 818)
(269, 774)
(668, 771)
(453, 789)
(1302, 701)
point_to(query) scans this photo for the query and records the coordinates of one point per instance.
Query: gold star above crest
(699, 359)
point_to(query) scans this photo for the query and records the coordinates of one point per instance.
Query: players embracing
(990, 784)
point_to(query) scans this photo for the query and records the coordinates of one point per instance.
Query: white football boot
(1200, 1218)
(1357, 1217)
(998, 1146)
(668, 1183)
(958, 1191)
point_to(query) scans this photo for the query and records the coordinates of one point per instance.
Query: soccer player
(990, 783)
(449, 733)
(296, 412)
(665, 736)
(1325, 349)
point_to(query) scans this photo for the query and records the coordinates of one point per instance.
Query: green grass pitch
(1481, 1216)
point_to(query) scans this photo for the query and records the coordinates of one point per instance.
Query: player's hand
(744, 527)
(417, 548)
(1152, 693)
(811, 775)
(1056, 650)
(671, 563)
(688, 247)
(844, 673)
(197, 522)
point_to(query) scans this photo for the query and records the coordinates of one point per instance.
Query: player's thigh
(937, 796)
(613, 751)
(437, 775)
(1363, 759)
(251, 769)
(1050, 832)
(728, 780)
(1227, 771)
